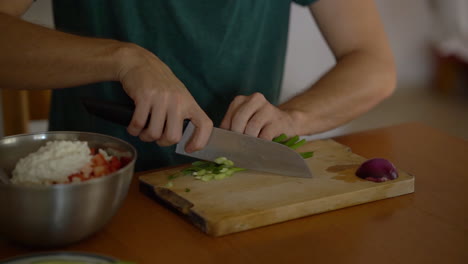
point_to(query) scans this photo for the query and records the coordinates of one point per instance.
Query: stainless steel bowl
(60, 214)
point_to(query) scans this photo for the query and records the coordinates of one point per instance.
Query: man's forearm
(35, 57)
(358, 82)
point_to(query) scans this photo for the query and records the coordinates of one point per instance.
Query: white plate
(55, 257)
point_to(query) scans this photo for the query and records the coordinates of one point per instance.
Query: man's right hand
(157, 91)
(66, 60)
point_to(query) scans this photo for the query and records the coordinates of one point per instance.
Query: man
(212, 62)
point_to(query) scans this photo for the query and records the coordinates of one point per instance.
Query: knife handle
(117, 113)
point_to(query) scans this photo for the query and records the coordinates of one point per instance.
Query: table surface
(429, 226)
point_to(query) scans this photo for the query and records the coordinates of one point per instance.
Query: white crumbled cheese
(53, 162)
(105, 155)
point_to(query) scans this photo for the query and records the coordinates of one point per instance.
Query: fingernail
(134, 132)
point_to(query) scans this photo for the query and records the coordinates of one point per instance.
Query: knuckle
(172, 139)
(254, 124)
(163, 95)
(268, 135)
(269, 106)
(137, 124)
(154, 135)
(162, 143)
(207, 122)
(258, 96)
(239, 98)
(145, 96)
(236, 119)
(174, 97)
(196, 146)
(143, 137)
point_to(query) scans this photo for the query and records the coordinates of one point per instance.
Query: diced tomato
(114, 164)
(77, 175)
(87, 170)
(124, 161)
(99, 166)
(93, 151)
(99, 171)
(99, 160)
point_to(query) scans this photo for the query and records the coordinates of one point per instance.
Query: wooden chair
(21, 107)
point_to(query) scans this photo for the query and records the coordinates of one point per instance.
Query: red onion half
(377, 170)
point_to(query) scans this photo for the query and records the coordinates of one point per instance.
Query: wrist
(125, 57)
(129, 56)
(298, 121)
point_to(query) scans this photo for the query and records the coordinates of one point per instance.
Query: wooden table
(429, 226)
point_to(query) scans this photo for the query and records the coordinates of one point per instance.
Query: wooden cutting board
(251, 199)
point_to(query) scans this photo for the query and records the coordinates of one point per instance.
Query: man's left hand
(254, 115)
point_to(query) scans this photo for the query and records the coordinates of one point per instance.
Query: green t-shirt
(217, 48)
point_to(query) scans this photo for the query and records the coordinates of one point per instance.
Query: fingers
(241, 110)
(166, 126)
(173, 129)
(201, 135)
(139, 118)
(258, 121)
(154, 88)
(155, 127)
(269, 132)
(253, 115)
(238, 101)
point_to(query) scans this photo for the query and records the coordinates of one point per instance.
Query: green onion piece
(189, 170)
(201, 172)
(298, 144)
(207, 177)
(220, 160)
(200, 163)
(169, 184)
(229, 163)
(220, 176)
(280, 138)
(187, 190)
(236, 169)
(292, 141)
(306, 155)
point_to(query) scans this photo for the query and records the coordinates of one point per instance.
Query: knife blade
(245, 151)
(248, 152)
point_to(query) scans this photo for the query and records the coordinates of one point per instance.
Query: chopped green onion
(220, 160)
(199, 163)
(229, 163)
(280, 138)
(175, 175)
(306, 155)
(236, 169)
(292, 141)
(298, 144)
(222, 167)
(187, 190)
(220, 176)
(207, 177)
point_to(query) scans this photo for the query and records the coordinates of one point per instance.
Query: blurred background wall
(410, 26)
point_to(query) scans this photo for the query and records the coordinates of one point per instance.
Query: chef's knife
(245, 151)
